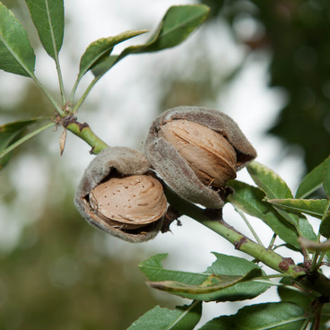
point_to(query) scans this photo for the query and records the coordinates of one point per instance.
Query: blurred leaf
(300, 298)
(279, 316)
(326, 177)
(325, 225)
(48, 18)
(276, 188)
(211, 285)
(16, 54)
(102, 48)
(11, 133)
(313, 207)
(312, 181)
(181, 318)
(176, 26)
(251, 201)
(315, 246)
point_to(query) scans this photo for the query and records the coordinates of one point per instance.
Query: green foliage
(313, 207)
(326, 177)
(276, 188)
(181, 318)
(312, 181)
(175, 27)
(102, 48)
(251, 201)
(279, 316)
(48, 18)
(16, 53)
(11, 134)
(228, 279)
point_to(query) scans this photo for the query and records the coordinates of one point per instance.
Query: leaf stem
(26, 138)
(84, 132)
(249, 225)
(60, 79)
(272, 242)
(74, 89)
(83, 97)
(49, 96)
(57, 62)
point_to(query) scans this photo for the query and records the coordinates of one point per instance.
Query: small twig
(249, 225)
(272, 242)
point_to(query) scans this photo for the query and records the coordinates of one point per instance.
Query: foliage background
(264, 63)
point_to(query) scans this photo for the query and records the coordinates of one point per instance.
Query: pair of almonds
(194, 150)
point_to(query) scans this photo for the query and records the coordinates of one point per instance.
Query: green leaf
(269, 181)
(16, 54)
(313, 207)
(325, 225)
(176, 26)
(276, 188)
(251, 201)
(102, 48)
(279, 316)
(306, 229)
(300, 298)
(48, 18)
(10, 134)
(326, 177)
(220, 282)
(312, 181)
(181, 318)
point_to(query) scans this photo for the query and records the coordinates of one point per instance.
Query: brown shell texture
(120, 162)
(131, 202)
(208, 153)
(191, 159)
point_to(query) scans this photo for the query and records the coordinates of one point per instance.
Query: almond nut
(120, 196)
(129, 202)
(196, 151)
(208, 153)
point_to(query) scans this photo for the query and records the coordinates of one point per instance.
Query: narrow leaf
(11, 134)
(313, 207)
(48, 18)
(279, 316)
(251, 201)
(223, 281)
(326, 177)
(16, 54)
(274, 187)
(314, 246)
(181, 318)
(211, 284)
(176, 26)
(102, 48)
(312, 181)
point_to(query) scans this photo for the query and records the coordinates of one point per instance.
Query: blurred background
(264, 63)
